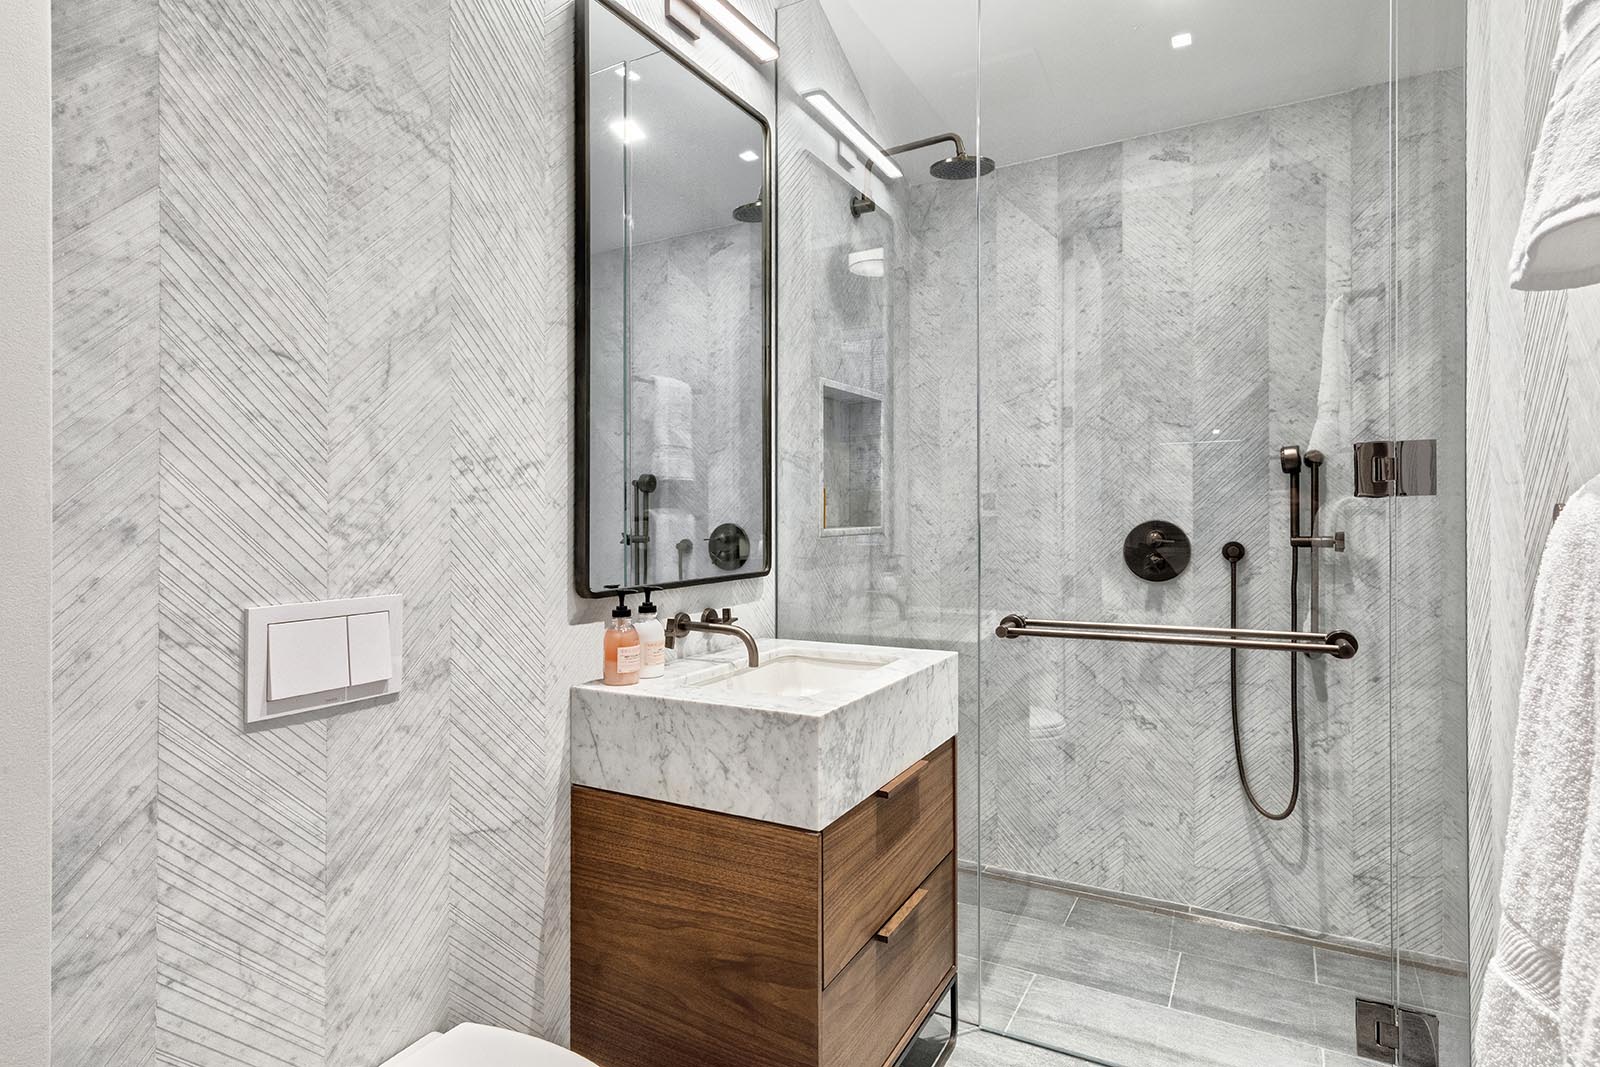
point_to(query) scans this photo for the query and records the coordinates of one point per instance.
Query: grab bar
(1340, 644)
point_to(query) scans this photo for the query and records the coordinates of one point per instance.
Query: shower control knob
(1156, 551)
(1338, 541)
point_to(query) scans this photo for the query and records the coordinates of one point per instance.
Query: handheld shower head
(1290, 458)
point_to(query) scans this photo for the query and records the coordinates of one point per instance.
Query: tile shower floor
(1142, 988)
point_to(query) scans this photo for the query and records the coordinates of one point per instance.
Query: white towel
(1541, 999)
(1331, 433)
(1558, 243)
(672, 428)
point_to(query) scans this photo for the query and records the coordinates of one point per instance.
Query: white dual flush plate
(323, 654)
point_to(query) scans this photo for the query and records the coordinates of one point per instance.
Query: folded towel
(672, 419)
(1558, 243)
(1540, 998)
(1331, 433)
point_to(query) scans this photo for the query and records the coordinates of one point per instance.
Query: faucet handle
(727, 617)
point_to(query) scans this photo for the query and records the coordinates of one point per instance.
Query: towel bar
(1340, 644)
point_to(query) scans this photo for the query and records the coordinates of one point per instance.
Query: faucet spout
(712, 623)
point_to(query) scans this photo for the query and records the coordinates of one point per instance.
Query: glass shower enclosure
(1088, 415)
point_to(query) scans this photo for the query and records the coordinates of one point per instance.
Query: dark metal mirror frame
(769, 269)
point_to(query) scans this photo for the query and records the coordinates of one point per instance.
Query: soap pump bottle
(622, 645)
(652, 640)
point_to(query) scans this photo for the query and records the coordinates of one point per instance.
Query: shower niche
(852, 460)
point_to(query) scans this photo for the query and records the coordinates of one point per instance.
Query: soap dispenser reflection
(623, 653)
(652, 640)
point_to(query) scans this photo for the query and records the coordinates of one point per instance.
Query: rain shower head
(751, 212)
(960, 167)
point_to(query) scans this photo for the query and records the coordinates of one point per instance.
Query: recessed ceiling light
(749, 156)
(1182, 40)
(627, 131)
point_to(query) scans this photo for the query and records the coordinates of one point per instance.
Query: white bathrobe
(1541, 999)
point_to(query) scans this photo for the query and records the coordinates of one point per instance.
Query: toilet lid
(473, 1045)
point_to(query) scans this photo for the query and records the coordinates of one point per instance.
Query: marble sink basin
(797, 672)
(799, 740)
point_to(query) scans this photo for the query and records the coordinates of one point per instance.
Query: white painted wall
(25, 532)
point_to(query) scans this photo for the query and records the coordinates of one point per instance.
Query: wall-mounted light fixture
(846, 127)
(690, 16)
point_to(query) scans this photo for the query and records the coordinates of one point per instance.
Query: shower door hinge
(1400, 1036)
(1397, 468)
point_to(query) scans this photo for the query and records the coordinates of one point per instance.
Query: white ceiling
(685, 169)
(1060, 75)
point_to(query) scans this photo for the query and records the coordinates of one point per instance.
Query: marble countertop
(799, 760)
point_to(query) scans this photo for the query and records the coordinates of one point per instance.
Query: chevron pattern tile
(104, 724)
(314, 328)
(1531, 393)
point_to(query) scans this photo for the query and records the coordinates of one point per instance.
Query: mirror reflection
(675, 457)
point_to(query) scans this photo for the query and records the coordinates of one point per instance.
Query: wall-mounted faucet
(680, 625)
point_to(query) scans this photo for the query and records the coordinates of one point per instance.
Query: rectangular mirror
(674, 357)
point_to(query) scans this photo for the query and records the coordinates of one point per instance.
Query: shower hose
(1233, 552)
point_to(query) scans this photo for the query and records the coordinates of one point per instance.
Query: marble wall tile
(1532, 391)
(104, 575)
(314, 327)
(505, 726)
(1153, 327)
(695, 318)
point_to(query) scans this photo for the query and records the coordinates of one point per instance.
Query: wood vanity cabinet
(708, 940)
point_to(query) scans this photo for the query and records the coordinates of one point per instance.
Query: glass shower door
(1244, 246)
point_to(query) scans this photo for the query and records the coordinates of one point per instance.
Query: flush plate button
(306, 657)
(318, 655)
(370, 652)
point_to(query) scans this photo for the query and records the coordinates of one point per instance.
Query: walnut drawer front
(869, 1010)
(880, 851)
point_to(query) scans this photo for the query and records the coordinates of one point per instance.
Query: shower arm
(926, 142)
(929, 142)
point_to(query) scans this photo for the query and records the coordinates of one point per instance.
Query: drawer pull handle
(898, 919)
(903, 779)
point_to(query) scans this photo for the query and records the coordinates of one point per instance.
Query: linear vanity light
(846, 127)
(746, 36)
